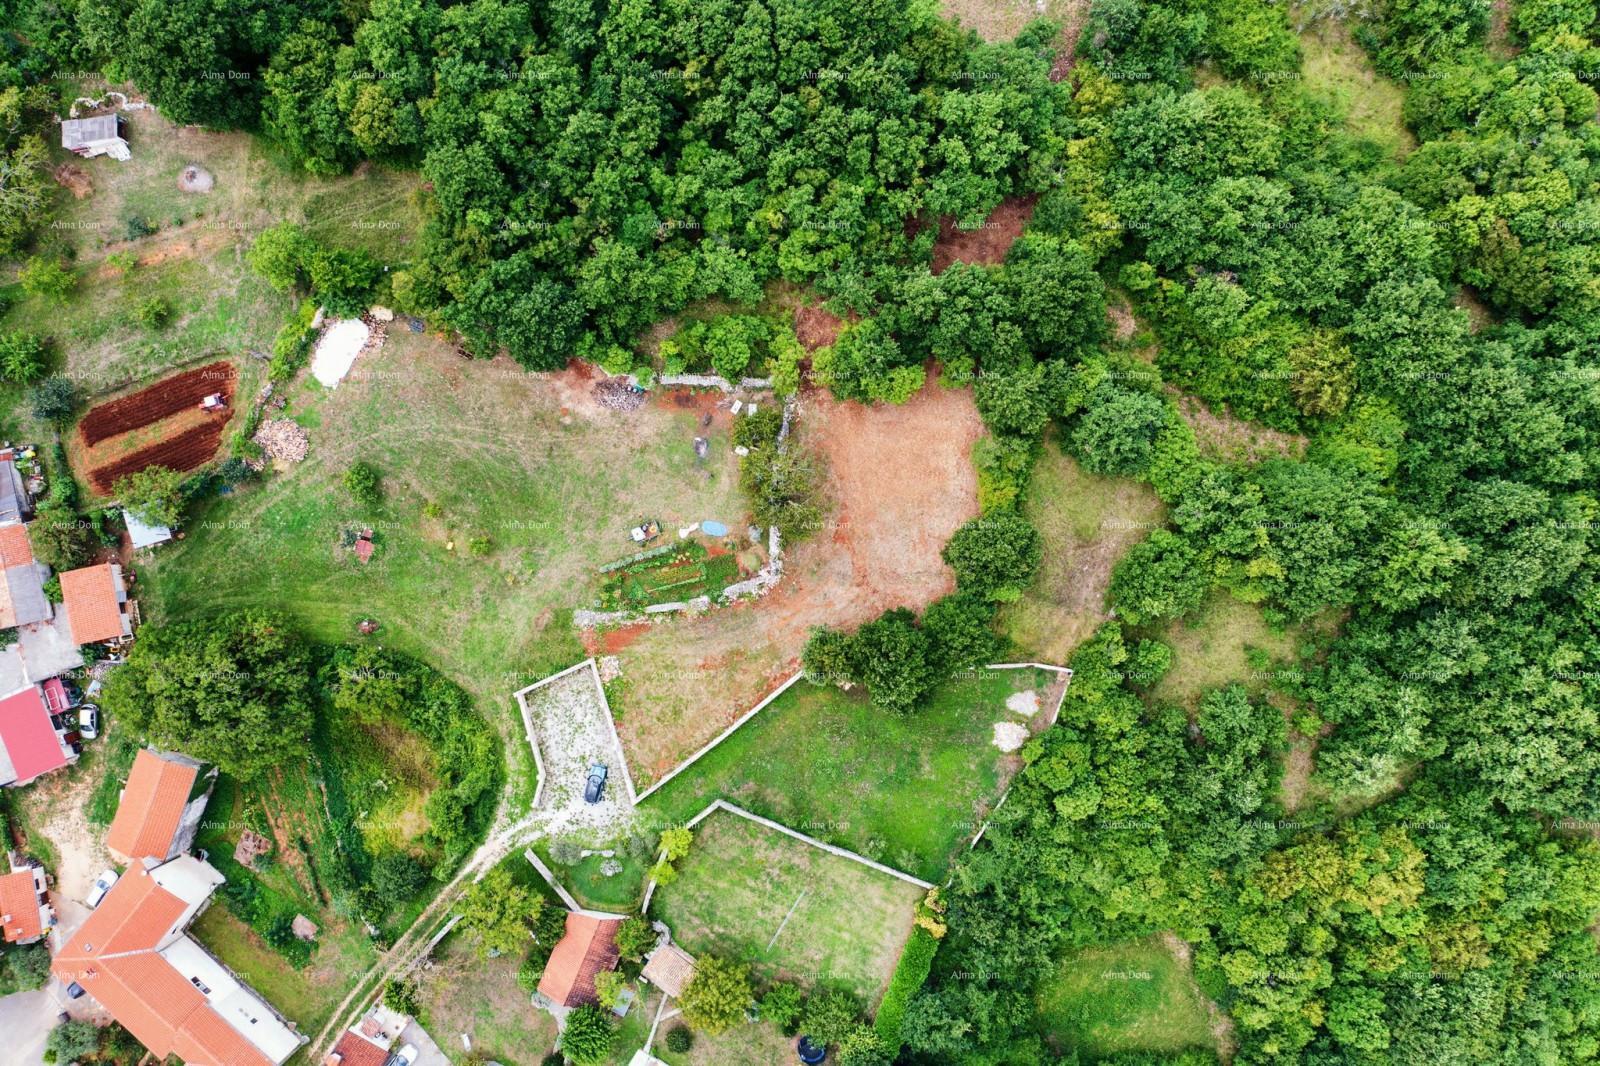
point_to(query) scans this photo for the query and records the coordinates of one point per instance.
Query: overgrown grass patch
(908, 792)
(791, 910)
(1129, 997)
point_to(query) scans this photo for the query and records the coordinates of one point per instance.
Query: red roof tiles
(19, 907)
(114, 957)
(355, 1050)
(588, 949)
(90, 595)
(147, 819)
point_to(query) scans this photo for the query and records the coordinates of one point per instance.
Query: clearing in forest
(793, 911)
(1088, 523)
(900, 482)
(1119, 998)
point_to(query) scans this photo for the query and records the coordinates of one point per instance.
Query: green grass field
(1122, 998)
(789, 909)
(1337, 69)
(908, 791)
(1211, 649)
(1087, 523)
(195, 256)
(464, 451)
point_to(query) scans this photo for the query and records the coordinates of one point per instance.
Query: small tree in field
(635, 937)
(717, 996)
(500, 911)
(153, 495)
(588, 1036)
(363, 484)
(53, 399)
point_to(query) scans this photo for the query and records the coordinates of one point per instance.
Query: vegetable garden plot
(155, 402)
(189, 449)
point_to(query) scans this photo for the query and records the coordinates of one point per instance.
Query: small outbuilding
(670, 969)
(143, 534)
(96, 135)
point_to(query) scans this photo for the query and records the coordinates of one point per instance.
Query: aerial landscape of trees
(1425, 323)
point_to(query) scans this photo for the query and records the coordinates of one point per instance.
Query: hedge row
(909, 974)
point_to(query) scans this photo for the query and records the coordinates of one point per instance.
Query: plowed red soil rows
(189, 449)
(155, 402)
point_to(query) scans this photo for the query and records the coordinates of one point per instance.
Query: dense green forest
(595, 167)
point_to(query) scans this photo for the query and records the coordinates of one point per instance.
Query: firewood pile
(283, 438)
(616, 394)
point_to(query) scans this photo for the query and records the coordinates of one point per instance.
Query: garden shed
(670, 969)
(96, 135)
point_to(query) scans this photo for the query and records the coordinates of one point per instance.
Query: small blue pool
(714, 529)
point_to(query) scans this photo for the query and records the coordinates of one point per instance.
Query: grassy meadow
(791, 910)
(908, 792)
(1130, 997)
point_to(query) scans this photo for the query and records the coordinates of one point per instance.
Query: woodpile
(615, 394)
(283, 438)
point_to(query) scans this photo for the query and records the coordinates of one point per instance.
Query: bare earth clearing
(901, 482)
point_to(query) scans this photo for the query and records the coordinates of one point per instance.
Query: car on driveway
(596, 786)
(101, 886)
(405, 1056)
(89, 721)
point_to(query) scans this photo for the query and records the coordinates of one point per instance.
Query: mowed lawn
(791, 910)
(195, 256)
(1122, 998)
(1088, 523)
(465, 450)
(907, 791)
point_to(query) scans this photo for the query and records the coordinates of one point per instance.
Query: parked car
(405, 1056)
(74, 991)
(102, 885)
(597, 783)
(89, 721)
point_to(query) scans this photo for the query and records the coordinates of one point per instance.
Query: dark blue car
(597, 783)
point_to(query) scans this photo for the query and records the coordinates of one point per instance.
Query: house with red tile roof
(368, 1042)
(25, 911)
(161, 807)
(132, 954)
(587, 949)
(96, 602)
(22, 598)
(31, 742)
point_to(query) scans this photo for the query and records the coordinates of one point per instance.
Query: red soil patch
(187, 450)
(900, 481)
(151, 404)
(989, 242)
(612, 640)
(816, 326)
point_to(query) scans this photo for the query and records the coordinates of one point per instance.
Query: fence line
(720, 737)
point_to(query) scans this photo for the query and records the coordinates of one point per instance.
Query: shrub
(22, 357)
(588, 1036)
(890, 656)
(47, 279)
(782, 1005)
(635, 937)
(71, 1041)
(679, 1040)
(831, 1015)
(60, 538)
(53, 400)
(718, 994)
(995, 556)
(565, 852)
(153, 313)
(401, 996)
(676, 842)
(909, 974)
(397, 876)
(862, 1046)
(154, 494)
(138, 226)
(361, 481)
(608, 987)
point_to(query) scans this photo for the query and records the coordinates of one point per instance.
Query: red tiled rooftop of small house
(30, 740)
(90, 596)
(355, 1050)
(152, 806)
(15, 548)
(588, 949)
(19, 907)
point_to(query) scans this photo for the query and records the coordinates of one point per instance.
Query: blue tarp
(714, 529)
